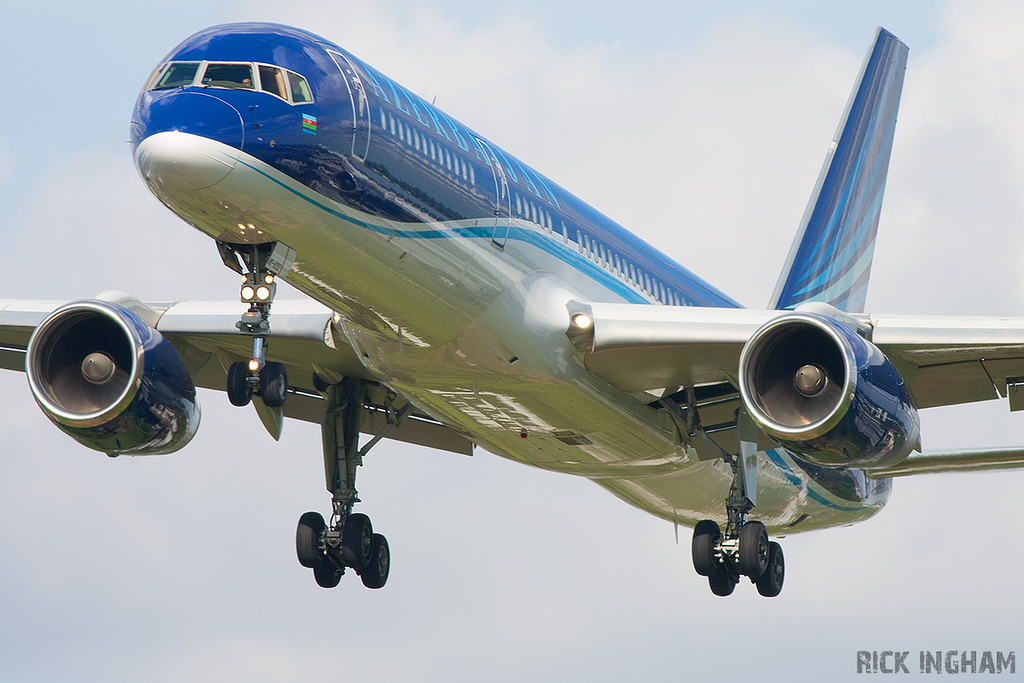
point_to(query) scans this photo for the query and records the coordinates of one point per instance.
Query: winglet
(830, 259)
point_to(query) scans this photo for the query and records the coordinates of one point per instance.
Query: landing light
(582, 321)
(254, 365)
(248, 293)
(263, 293)
(269, 279)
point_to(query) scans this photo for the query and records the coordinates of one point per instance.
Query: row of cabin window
(532, 212)
(621, 268)
(425, 145)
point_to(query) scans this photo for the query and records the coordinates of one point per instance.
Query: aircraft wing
(944, 360)
(305, 337)
(954, 461)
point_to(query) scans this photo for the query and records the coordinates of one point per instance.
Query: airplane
(457, 298)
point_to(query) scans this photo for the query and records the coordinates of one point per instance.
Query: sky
(702, 129)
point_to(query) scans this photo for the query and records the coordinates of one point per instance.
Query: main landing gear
(743, 549)
(349, 541)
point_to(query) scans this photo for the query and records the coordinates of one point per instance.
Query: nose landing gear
(259, 264)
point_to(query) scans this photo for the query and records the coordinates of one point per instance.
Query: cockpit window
(287, 85)
(229, 76)
(272, 81)
(177, 75)
(300, 89)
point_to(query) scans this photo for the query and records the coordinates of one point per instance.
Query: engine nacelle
(111, 381)
(817, 388)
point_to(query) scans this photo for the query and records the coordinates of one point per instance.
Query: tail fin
(830, 259)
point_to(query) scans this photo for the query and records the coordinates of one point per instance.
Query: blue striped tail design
(830, 260)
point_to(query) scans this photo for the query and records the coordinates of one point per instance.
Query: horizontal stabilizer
(830, 260)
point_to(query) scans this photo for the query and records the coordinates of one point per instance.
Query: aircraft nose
(179, 161)
(173, 130)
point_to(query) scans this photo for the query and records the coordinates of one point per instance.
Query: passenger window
(272, 81)
(300, 88)
(178, 75)
(238, 76)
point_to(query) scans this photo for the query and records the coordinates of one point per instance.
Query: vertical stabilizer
(830, 260)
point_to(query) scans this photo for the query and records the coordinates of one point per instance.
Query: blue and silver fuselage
(450, 261)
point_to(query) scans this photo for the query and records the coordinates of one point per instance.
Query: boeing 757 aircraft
(457, 298)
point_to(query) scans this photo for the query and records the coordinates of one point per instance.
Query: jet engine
(825, 393)
(111, 381)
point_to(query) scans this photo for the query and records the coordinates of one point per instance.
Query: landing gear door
(502, 197)
(360, 106)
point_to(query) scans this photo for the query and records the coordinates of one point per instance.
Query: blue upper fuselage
(315, 112)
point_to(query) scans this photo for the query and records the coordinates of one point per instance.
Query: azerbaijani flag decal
(309, 124)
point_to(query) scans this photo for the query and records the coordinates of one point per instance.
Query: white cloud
(90, 224)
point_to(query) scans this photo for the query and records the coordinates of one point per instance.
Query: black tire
(753, 549)
(375, 575)
(307, 540)
(705, 536)
(722, 584)
(357, 541)
(239, 391)
(327, 575)
(770, 583)
(273, 385)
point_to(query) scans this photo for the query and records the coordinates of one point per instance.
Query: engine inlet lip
(755, 346)
(34, 358)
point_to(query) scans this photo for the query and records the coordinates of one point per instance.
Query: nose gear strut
(259, 265)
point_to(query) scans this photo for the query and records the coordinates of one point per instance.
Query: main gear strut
(744, 548)
(348, 541)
